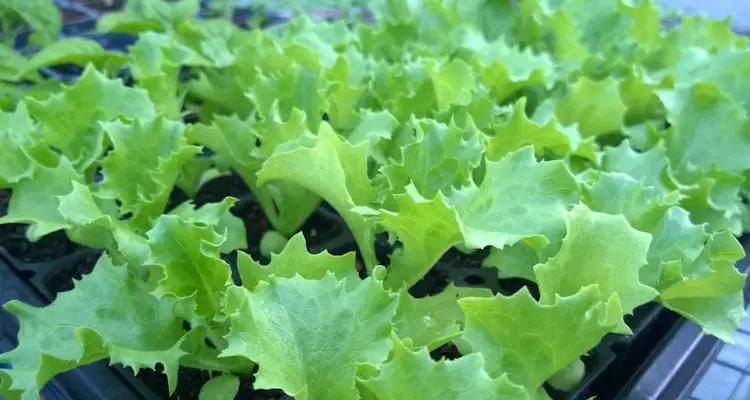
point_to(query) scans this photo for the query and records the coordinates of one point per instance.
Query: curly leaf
(439, 159)
(520, 131)
(94, 321)
(414, 375)
(337, 172)
(309, 335)
(426, 230)
(295, 260)
(159, 149)
(708, 291)
(596, 106)
(286, 204)
(513, 333)
(72, 51)
(35, 202)
(602, 250)
(187, 257)
(709, 130)
(221, 218)
(519, 199)
(71, 119)
(433, 320)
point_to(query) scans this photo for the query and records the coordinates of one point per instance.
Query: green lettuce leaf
(105, 307)
(349, 324)
(521, 131)
(187, 262)
(519, 199)
(425, 228)
(35, 202)
(42, 15)
(219, 216)
(596, 106)
(601, 250)
(337, 172)
(71, 119)
(159, 149)
(73, 51)
(295, 260)
(440, 158)
(697, 113)
(709, 290)
(413, 375)
(513, 333)
(433, 320)
(287, 205)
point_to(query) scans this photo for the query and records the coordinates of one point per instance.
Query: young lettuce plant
(60, 152)
(588, 163)
(357, 324)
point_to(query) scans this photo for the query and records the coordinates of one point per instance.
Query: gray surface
(717, 9)
(728, 377)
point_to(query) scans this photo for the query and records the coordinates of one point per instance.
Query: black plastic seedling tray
(655, 362)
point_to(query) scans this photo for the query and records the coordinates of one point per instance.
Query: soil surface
(13, 240)
(61, 279)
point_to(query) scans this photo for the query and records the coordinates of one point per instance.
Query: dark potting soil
(53, 246)
(190, 381)
(100, 5)
(61, 279)
(13, 240)
(4, 200)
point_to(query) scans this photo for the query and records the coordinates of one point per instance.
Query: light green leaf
(11, 62)
(309, 335)
(42, 15)
(505, 68)
(337, 172)
(159, 149)
(433, 320)
(286, 205)
(647, 167)
(143, 15)
(71, 119)
(715, 200)
(602, 250)
(697, 66)
(295, 260)
(617, 193)
(708, 291)
(520, 131)
(93, 222)
(675, 238)
(514, 261)
(21, 146)
(222, 387)
(426, 230)
(94, 321)
(187, 262)
(414, 375)
(709, 130)
(513, 333)
(595, 106)
(373, 126)
(519, 199)
(198, 171)
(72, 51)
(156, 60)
(221, 218)
(34, 200)
(442, 157)
(454, 84)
